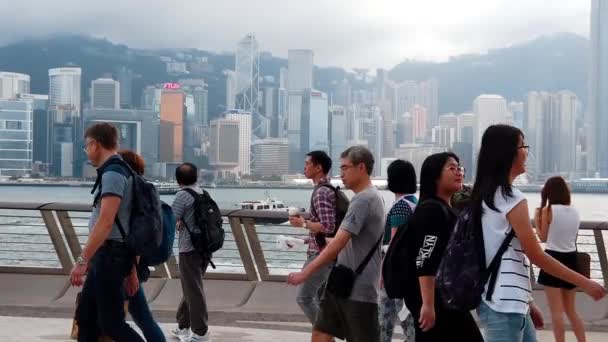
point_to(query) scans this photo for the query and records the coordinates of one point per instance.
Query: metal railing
(46, 238)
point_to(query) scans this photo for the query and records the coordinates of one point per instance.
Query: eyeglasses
(86, 146)
(457, 169)
(525, 147)
(346, 167)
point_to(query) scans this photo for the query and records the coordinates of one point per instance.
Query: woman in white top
(557, 225)
(510, 315)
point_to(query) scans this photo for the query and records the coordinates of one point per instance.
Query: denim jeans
(140, 312)
(505, 327)
(307, 293)
(101, 309)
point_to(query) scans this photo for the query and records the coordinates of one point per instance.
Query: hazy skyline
(349, 34)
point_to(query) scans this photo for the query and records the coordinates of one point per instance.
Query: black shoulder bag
(342, 278)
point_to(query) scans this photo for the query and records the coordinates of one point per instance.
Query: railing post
(242, 245)
(601, 253)
(256, 248)
(60, 248)
(69, 233)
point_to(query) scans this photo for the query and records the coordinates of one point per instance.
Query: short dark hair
(105, 134)
(186, 174)
(358, 155)
(320, 158)
(555, 191)
(135, 161)
(401, 177)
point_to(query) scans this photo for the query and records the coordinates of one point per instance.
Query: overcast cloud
(355, 33)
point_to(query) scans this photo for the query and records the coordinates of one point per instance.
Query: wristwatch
(305, 224)
(80, 260)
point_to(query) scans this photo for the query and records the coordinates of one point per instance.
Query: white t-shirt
(513, 290)
(563, 229)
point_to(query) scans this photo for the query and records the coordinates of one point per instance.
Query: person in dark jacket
(431, 226)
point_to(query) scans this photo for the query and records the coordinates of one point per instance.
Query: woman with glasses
(429, 230)
(510, 314)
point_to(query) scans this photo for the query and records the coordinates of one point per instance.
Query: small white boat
(269, 204)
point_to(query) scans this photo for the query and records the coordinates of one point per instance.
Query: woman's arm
(542, 227)
(520, 221)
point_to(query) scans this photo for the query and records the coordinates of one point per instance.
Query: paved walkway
(27, 329)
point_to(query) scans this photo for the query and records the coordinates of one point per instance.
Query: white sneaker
(197, 338)
(180, 333)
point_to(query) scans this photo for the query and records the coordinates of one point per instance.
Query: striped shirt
(513, 289)
(322, 210)
(184, 211)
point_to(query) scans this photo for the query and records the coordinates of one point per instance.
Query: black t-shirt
(430, 229)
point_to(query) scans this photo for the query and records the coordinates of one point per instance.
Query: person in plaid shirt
(322, 222)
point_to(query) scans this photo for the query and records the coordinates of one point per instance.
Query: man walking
(105, 259)
(322, 222)
(192, 316)
(351, 315)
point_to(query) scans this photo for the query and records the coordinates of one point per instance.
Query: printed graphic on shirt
(426, 250)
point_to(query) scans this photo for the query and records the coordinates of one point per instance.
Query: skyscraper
(315, 123)
(244, 140)
(270, 157)
(172, 113)
(66, 124)
(16, 136)
(419, 115)
(223, 152)
(300, 67)
(597, 121)
(247, 68)
(12, 84)
(489, 110)
(230, 89)
(124, 76)
(105, 94)
(337, 135)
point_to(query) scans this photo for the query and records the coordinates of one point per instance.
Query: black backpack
(342, 203)
(145, 223)
(210, 235)
(462, 273)
(395, 264)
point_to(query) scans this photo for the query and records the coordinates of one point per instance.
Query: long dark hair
(498, 151)
(430, 173)
(555, 191)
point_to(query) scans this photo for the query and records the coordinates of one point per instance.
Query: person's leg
(192, 284)
(86, 312)
(499, 326)
(182, 316)
(140, 311)
(578, 327)
(554, 298)
(360, 320)
(318, 336)
(529, 330)
(115, 264)
(388, 314)
(307, 293)
(330, 321)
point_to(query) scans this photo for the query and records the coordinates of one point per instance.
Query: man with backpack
(322, 223)
(349, 306)
(106, 259)
(192, 316)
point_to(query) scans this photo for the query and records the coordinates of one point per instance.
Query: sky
(354, 33)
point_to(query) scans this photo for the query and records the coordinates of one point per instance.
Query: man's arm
(324, 208)
(102, 228)
(329, 253)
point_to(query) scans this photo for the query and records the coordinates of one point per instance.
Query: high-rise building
(283, 78)
(315, 122)
(172, 113)
(405, 129)
(342, 94)
(466, 122)
(64, 87)
(370, 130)
(270, 157)
(429, 98)
(125, 76)
(244, 141)
(247, 69)
(489, 110)
(337, 135)
(230, 89)
(419, 117)
(517, 110)
(417, 153)
(597, 121)
(105, 94)
(12, 84)
(66, 124)
(300, 66)
(550, 129)
(41, 130)
(223, 152)
(16, 136)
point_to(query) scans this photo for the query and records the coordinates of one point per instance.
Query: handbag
(342, 278)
